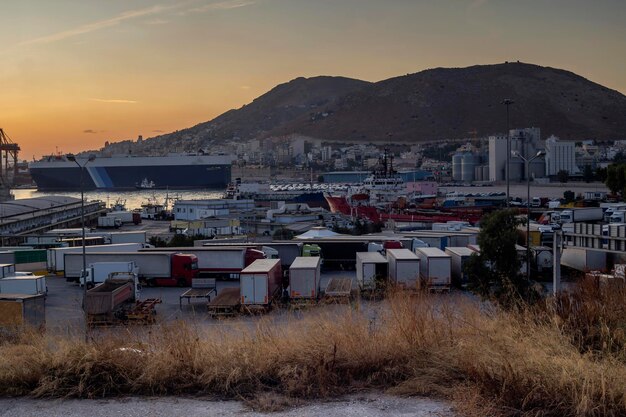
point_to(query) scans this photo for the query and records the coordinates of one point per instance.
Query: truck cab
(184, 269)
(311, 250)
(618, 217)
(535, 202)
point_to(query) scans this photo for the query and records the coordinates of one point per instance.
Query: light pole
(83, 275)
(528, 161)
(507, 102)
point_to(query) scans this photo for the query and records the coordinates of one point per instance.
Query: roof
(401, 254)
(261, 266)
(27, 205)
(460, 250)
(306, 262)
(433, 252)
(371, 257)
(316, 232)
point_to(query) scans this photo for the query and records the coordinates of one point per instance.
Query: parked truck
(106, 302)
(582, 214)
(124, 216)
(372, 270)
(165, 269)
(287, 252)
(260, 283)
(218, 262)
(304, 278)
(435, 268)
(109, 222)
(458, 256)
(618, 217)
(404, 267)
(55, 262)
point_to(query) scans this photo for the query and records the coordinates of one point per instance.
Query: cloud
(90, 131)
(223, 5)
(99, 24)
(156, 21)
(113, 100)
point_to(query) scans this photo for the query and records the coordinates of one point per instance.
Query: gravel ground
(369, 405)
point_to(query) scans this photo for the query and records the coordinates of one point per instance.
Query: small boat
(145, 184)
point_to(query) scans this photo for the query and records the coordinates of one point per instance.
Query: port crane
(8, 150)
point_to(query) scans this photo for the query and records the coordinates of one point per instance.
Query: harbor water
(132, 198)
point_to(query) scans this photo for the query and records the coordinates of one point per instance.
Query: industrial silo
(456, 167)
(467, 167)
(478, 173)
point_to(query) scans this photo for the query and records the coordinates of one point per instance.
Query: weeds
(562, 358)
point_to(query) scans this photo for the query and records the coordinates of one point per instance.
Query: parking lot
(64, 312)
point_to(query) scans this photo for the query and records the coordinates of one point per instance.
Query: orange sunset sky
(74, 74)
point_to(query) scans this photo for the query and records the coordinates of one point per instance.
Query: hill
(434, 104)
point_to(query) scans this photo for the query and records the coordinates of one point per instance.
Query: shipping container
(584, 259)
(434, 267)
(458, 256)
(260, 282)
(372, 268)
(127, 237)
(404, 267)
(304, 277)
(124, 216)
(23, 284)
(107, 222)
(22, 310)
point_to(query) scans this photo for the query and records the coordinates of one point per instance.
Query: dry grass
(486, 362)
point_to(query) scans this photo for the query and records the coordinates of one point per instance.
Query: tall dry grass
(488, 362)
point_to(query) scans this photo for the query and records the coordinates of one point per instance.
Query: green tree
(587, 173)
(616, 178)
(601, 174)
(562, 176)
(495, 272)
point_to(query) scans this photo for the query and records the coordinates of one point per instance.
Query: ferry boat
(175, 171)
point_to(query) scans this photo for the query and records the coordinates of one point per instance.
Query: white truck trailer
(98, 272)
(55, 261)
(404, 267)
(584, 259)
(458, 256)
(435, 268)
(127, 237)
(260, 282)
(304, 277)
(371, 267)
(23, 284)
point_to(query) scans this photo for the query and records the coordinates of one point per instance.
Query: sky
(77, 73)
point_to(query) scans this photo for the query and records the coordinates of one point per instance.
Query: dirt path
(369, 405)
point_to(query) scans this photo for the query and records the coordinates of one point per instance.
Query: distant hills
(435, 104)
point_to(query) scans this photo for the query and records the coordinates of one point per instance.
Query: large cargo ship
(178, 171)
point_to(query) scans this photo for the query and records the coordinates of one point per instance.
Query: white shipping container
(56, 255)
(458, 256)
(404, 266)
(124, 216)
(370, 265)
(30, 285)
(260, 282)
(107, 221)
(304, 277)
(434, 266)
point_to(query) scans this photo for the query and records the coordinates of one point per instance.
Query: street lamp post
(507, 102)
(527, 162)
(72, 158)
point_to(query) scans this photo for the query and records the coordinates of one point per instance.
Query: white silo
(467, 167)
(456, 167)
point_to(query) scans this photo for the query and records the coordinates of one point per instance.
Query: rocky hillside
(429, 105)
